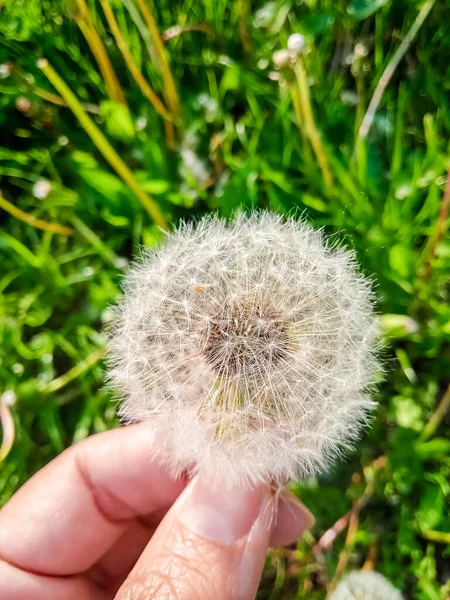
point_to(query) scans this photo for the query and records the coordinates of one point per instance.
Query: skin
(104, 521)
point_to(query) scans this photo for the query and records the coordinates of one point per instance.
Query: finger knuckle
(186, 570)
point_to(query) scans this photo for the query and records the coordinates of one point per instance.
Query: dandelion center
(246, 338)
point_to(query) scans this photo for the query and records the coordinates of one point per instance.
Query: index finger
(68, 515)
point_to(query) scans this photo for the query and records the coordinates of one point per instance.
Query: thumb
(210, 546)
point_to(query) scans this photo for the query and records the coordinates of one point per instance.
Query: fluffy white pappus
(365, 585)
(248, 346)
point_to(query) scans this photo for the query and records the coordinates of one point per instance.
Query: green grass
(237, 144)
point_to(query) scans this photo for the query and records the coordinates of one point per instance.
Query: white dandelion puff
(248, 348)
(365, 585)
(296, 44)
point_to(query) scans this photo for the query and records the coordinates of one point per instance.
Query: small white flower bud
(365, 585)
(281, 59)
(247, 347)
(41, 189)
(360, 50)
(5, 70)
(296, 44)
(9, 398)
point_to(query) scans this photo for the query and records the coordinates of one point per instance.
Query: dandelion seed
(365, 585)
(248, 348)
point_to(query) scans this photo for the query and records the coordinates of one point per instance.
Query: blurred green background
(141, 113)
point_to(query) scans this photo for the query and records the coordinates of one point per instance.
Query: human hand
(105, 521)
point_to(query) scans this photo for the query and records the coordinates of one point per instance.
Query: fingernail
(219, 514)
(292, 520)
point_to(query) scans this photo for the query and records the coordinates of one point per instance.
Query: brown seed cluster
(246, 338)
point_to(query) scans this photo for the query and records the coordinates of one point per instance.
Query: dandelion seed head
(248, 347)
(365, 585)
(296, 44)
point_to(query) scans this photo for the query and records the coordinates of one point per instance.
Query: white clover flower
(248, 348)
(365, 585)
(296, 44)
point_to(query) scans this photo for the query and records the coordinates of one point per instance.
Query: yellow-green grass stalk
(79, 369)
(170, 92)
(390, 70)
(102, 143)
(55, 99)
(309, 123)
(243, 15)
(8, 430)
(87, 27)
(122, 45)
(32, 220)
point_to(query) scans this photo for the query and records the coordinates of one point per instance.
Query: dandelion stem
(170, 91)
(102, 143)
(130, 62)
(310, 126)
(8, 429)
(33, 221)
(390, 70)
(86, 24)
(361, 143)
(297, 108)
(299, 118)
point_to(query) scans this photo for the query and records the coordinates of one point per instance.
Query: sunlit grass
(357, 144)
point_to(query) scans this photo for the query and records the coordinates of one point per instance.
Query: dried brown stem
(439, 231)
(326, 541)
(349, 543)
